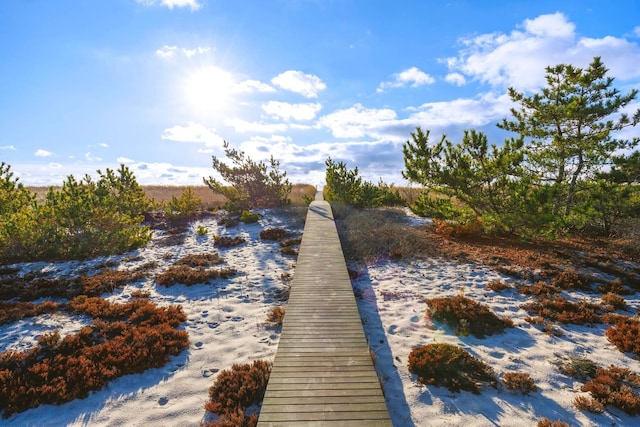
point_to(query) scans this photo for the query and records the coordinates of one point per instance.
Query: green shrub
(446, 365)
(249, 217)
(344, 185)
(80, 220)
(184, 206)
(251, 184)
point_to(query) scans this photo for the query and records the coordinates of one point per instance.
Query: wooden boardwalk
(322, 374)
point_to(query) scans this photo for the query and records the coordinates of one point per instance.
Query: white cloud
(124, 160)
(7, 147)
(103, 145)
(197, 51)
(306, 85)
(455, 78)
(244, 126)
(636, 31)
(519, 58)
(467, 113)
(410, 77)
(552, 26)
(193, 132)
(357, 121)
(192, 4)
(91, 158)
(287, 111)
(42, 153)
(169, 52)
(254, 86)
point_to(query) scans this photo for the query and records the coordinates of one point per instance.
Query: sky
(159, 85)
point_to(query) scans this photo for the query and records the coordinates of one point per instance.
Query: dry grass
(371, 234)
(209, 200)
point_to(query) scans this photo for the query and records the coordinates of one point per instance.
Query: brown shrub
(558, 308)
(588, 404)
(12, 311)
(498, 285)
(625, 335)
(291, 242)
(519, 381)
(227, 241)
(276, 316)
(570, 279)
(614, 300)
(288, 250)
(139, 336)
(613, 386)
(107, 281)
(546, 422)
(190, 276)
(200, 260)
(236, 389)
(273, 234)
(446, 365)
(539, 288)
(616, 287)
(467, 316)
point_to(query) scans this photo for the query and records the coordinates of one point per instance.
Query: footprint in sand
(213, 325)
(235, 318)
(205, 314)
(198, 344)
(392, 329)
(163, 401)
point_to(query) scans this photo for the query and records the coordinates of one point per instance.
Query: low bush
(498, 285)
(446, 365)
(12, 311)
(467, 316)
(200, 260)
(625, 335)
(249, 217)
(273, 233)
(519, 381)
(579, 367)
(570, 279)
(190, 276)
(33, 288)
(289, 250)
(614, 300)
(276, 316)
(613, 386)
(235, 390)
(589, 404)
(122, 339)
(559, 309)
(228, 241)
(539, 288)
(546, 422)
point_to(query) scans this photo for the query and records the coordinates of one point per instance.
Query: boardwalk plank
(322, 374)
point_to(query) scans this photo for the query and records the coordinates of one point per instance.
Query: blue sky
(159, 84)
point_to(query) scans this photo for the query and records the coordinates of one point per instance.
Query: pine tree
(569, 126)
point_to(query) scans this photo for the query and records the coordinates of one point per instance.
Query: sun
(208, 90)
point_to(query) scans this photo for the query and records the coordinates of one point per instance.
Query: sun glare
(208, 90)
